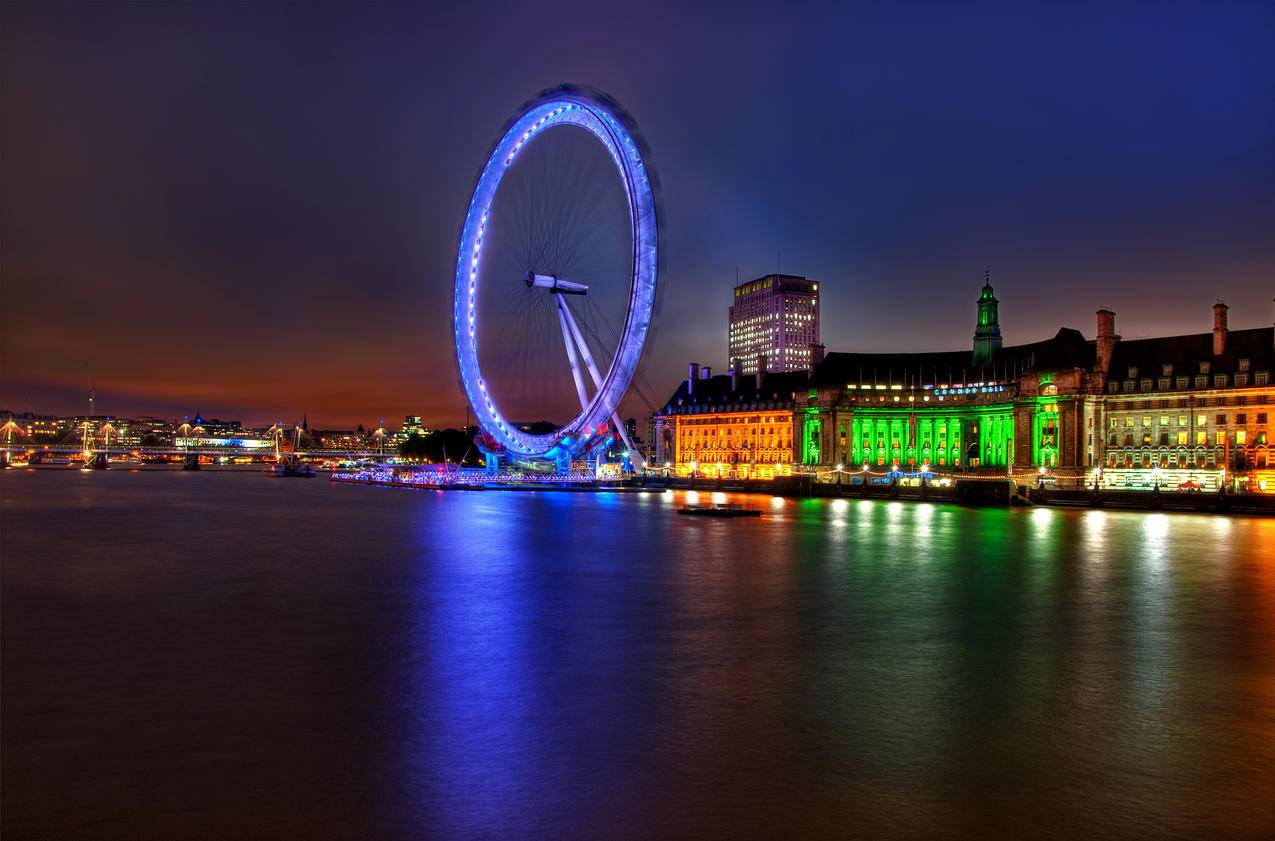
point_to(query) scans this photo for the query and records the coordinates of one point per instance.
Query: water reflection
(462, 665)
(939, 652)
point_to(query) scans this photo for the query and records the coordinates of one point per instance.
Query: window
(1240, 436)
(1182, 438)
(1241, 418)
(1204, 367)
(1201, 438)
(1113, 387)
(1261, 417)
(1164, 420)
(1261, 378)
(1183, 382)
(1133, 373)
(1241, 380)
(1128, 385)
(1164, 384)
(1243, 364)
(1128, 421)
(1221, 438)
(1201, 381)
(1145, 385)
(1146, 421)
(1201, 420)
(1183, 420)
(1166, 370)
(1219, 381)
(1221, 420)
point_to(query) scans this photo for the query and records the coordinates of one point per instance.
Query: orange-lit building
(1189, 412)
(729, 426)
(1178, 406)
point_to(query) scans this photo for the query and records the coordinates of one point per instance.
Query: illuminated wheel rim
(611, 126)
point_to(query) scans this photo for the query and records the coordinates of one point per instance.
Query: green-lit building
(990, 409)
(1181, 411)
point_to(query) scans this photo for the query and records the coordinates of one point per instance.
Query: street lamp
(8, 431)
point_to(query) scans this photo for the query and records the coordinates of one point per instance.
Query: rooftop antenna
(88, 372)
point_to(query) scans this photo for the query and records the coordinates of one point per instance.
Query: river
(222, 655)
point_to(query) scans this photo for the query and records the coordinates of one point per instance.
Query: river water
(222, 655)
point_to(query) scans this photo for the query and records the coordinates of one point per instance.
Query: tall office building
(774, 321)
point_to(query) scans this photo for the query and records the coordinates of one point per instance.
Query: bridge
(181, 452)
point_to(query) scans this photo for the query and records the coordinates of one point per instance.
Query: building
(774, 324)
(732, 425)
(42, 429)
(1184, 408)
(987, 333)
(1182, 411)
(1015, 410)
(412, 425)
(150, 431)
(215, 426)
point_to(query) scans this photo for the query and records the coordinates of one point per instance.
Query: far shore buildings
(1172, 411)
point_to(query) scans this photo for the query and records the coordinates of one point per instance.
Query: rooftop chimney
(761, 369)
(705, 373)
(692, 374)
(1219, 327)
(1107, 339)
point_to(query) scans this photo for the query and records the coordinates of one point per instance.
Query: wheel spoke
(552, 220)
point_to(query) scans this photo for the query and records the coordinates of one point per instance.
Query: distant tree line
(450, 444)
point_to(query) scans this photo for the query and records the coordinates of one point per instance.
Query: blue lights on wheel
(610, 126)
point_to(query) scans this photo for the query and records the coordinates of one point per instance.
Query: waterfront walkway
(982, 491)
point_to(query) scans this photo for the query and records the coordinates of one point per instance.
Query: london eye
(555, 283)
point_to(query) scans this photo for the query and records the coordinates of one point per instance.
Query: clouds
(235, 186)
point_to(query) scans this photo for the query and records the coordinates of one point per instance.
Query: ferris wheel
(545, 293)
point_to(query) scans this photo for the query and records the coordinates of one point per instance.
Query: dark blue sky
(253, 210)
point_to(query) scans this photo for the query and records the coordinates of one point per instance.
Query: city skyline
(661, 420)
(903, 163)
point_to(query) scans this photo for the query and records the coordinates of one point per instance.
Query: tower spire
(987, 332)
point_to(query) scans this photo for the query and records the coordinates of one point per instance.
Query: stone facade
(1185, 410)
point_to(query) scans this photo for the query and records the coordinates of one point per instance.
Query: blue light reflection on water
(911, 640)
(458, 665)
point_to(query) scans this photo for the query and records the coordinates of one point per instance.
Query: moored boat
(726, 510)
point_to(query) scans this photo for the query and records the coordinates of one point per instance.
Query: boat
(726, 510)
(289, 464)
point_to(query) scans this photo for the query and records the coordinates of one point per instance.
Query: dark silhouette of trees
(451, 445)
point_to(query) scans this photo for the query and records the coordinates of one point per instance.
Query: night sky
(252, 210)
